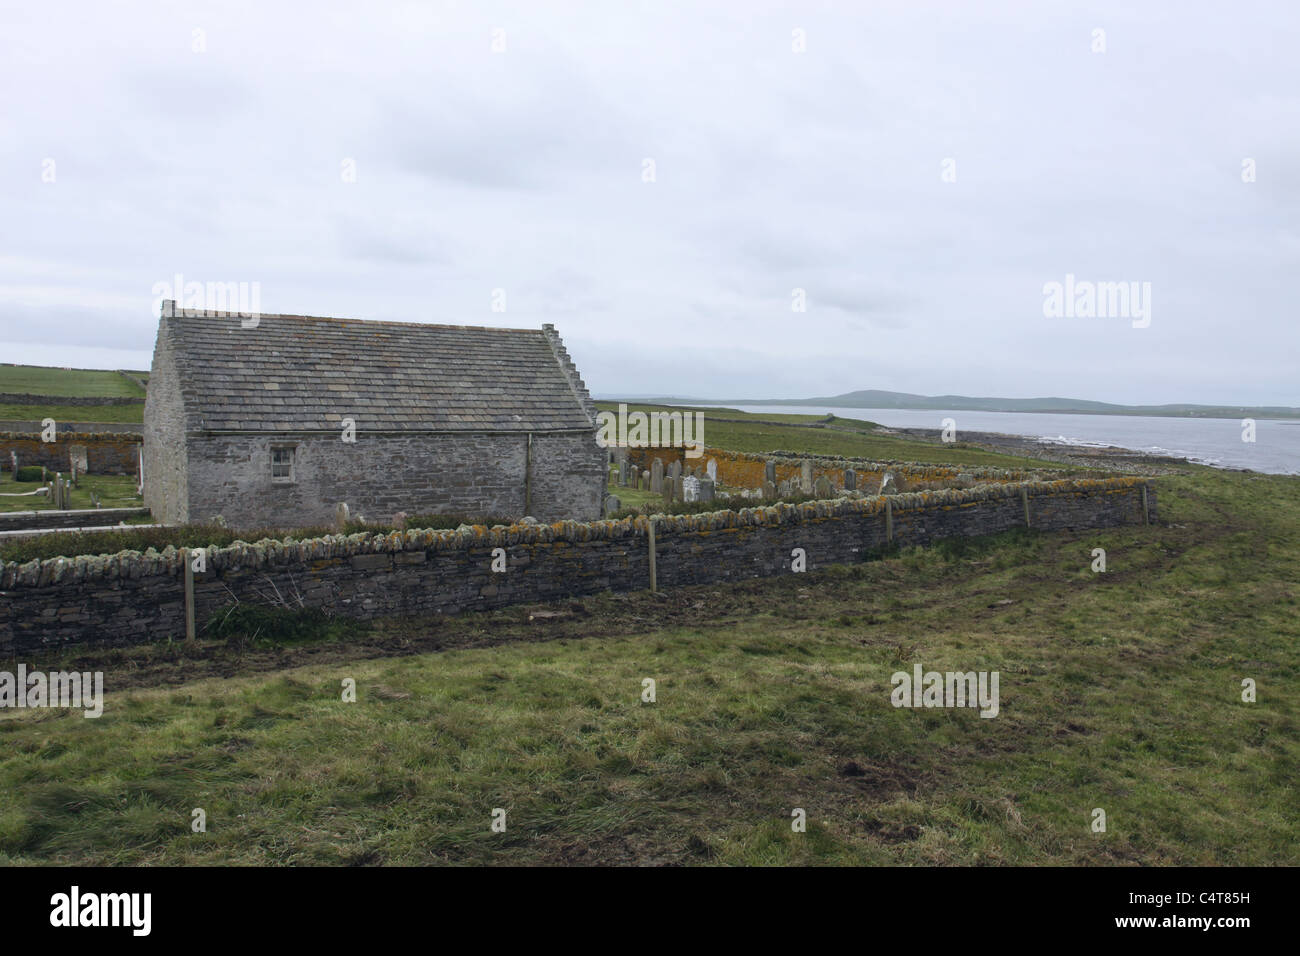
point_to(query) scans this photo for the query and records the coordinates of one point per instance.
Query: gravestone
(706, 489)
(850, 480)
(769, 472)
(79, 458)
(805, 478)
(784, 488)
(645, 481)
(657, 476)
(822, 488)
(888, 485)
(679, 489)
(690, 488)
(711, 469)
(669, 488)
(636, 479)
(769, 490)
(341, 516)
(612, 505)
(675, 470)
(622, 473)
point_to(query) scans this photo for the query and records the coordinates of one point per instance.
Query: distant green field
(748, 432)
(114, 414)
(37, 380)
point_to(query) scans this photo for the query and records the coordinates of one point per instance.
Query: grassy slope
(115, 414)
(1118, 691)
(847, 437)
(38, 380)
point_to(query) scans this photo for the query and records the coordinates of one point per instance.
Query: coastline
(1111, 457)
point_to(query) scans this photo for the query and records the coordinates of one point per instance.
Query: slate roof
(305, 373)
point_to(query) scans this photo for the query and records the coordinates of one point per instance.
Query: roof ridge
(214, 314)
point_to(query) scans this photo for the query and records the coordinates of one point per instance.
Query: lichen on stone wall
(289, 551)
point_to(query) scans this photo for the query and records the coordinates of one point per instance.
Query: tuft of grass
(246, 625)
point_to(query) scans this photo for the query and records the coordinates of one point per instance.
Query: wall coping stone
(270, 552)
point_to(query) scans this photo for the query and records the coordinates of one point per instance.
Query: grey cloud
(775, 170)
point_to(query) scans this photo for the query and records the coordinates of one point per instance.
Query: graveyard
(1118, 689)
(90, 491)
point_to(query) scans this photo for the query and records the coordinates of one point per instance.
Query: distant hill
(875, 398)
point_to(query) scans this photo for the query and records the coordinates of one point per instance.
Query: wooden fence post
(1024, 499)
(889, 519)
(189, 596)
(654, 581)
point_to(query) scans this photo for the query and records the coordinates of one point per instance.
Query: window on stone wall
(282, 464)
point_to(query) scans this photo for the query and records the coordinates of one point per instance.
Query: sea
(1208, 441)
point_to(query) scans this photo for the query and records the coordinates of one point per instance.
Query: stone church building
(273, 421)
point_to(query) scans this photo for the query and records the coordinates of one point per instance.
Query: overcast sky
(525, 170)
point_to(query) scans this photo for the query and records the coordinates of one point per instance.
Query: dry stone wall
(84, 401)
(741, 470)
(131, 597)
(106, 453)
(79, 518)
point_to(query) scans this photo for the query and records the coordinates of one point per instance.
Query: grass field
(750, 432)
(115, 491)
(114, 414)
(1119, 691)
(38, 380)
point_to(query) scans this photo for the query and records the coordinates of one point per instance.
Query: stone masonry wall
(568, 477)
(78, 518)
(742, 470)
(106, 454)
(34, 425)
(166, 492)
(80, 401)
(133, 598)
(478, 474)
